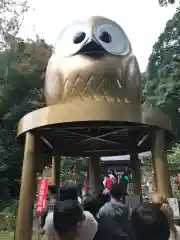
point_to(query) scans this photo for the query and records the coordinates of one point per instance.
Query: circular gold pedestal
(90, 127)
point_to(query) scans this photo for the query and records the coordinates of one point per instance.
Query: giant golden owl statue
(93, 60)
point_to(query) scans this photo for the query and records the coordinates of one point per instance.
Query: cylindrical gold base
(27, 193)
(161, 165)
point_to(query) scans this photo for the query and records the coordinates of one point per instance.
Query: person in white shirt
(89, 226)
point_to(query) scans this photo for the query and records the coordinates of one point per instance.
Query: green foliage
(8, 216)
(10, 213)
(20, 92)
(11, 18)
(161, 88)
(164, 3)
(161, 85)
(166, 49)
(67, 163)
(173, 158)
(174, 166)
(22, 70)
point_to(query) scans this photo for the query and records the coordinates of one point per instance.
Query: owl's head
(95, 37)
(93, 59)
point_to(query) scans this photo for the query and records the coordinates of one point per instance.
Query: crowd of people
(106, 217)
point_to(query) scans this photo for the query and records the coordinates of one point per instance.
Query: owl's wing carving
(53, 83)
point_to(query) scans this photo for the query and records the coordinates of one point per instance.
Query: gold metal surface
(161, 165)
(115, 129)
(93, 111)
(112, 78)
(93, 93)
(27, 192)
(85, 76)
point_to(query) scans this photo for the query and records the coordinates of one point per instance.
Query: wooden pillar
(161, 164)
(135, 164)
(95, 179)
(27, 192)
(55, 177)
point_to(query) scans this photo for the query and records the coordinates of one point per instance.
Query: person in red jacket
(108, 181)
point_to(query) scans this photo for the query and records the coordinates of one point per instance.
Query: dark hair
(68, 190)
(52, 189)
(66, 216)
(149, 222)
(92, 204)
(103, 198)
(116, 191)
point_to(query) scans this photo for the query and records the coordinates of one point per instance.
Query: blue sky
(142, 20)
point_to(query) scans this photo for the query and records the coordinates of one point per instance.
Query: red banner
(42, 196)
(178, 177)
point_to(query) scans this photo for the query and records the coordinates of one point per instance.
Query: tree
(174, 166)
(11, 18)
(166, 2)
(21, 91)
(161, 86)
(166, 49)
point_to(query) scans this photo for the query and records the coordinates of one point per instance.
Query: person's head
(67, 217)
(103, 198)
(116, 191)
(158, 198)
(68, 190)
(149, 222)
(169, 214)
(109, 171)
(90, 204)
(52, 190)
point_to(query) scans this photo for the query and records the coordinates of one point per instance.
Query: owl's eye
(72, 39)
(111, 37)
(105, 37)
(79, 37)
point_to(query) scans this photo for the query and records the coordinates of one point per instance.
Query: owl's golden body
(81, 77)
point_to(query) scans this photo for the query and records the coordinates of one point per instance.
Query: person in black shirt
(114, 217)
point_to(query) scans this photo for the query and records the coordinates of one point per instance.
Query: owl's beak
(92, 48)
